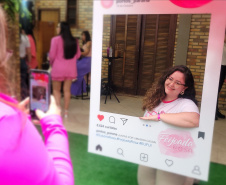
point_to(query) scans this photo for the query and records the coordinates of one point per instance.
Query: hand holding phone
(53, 110)
(39, 91)
(24, 105)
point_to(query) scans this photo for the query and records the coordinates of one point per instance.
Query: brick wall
(85, 13)
(106, 41)
(197, 49)
(52, 4)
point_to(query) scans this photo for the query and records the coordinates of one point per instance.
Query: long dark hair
(156, 94)
(70, 43)
(87, 35)
(29, 31)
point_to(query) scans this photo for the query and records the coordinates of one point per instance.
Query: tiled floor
(78, 120)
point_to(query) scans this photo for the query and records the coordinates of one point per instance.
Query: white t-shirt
(224, 56)
(24, 44)
(177, 106)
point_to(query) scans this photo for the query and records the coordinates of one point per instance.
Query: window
(72, 12)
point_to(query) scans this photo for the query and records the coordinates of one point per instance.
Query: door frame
(137, 50)
(48, 9)
(140, 46)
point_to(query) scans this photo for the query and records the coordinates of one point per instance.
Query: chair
(87, 90)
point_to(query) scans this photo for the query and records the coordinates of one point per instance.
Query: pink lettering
(175, 143)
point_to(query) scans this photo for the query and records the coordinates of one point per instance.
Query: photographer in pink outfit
(25, 158)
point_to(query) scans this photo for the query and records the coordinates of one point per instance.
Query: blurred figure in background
(221, 80)
(83, 66)
(25, 58)
(33, 64)
(63, 55)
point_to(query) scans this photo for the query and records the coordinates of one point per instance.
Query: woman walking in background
(25, 59)
(33, 64)
(25, 158)
(63, 55)
(83, 66)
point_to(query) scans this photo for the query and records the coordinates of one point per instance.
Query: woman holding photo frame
(171, 100)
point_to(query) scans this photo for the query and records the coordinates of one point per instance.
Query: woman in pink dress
(63, 55)
(33, 64)
(25, 158)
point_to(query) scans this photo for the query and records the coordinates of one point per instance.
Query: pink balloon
(107, 3)
(190, 3)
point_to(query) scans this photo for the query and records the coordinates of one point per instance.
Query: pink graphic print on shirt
(176, 143)
(153, 113)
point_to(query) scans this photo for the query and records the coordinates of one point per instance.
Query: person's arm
(28, 52)
(87, 50)
(53, 51)
(78, 54)
(183, 119)
(28, 49)
(56, 141)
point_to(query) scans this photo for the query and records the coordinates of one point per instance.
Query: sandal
(65, 113)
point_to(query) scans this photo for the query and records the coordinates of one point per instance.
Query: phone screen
(39, 91)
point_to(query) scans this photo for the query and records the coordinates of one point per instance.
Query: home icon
(98, 147)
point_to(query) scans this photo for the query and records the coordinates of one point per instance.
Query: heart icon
(169, 162)
(100, 117)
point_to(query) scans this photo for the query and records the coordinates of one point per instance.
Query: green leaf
(6, 7)
(17, 6)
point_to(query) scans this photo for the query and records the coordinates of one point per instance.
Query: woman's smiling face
(174, 85)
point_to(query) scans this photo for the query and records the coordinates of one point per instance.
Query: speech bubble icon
(112, 119)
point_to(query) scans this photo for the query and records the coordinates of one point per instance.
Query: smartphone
(40, 88)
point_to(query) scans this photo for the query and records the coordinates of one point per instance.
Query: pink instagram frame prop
(184, 151)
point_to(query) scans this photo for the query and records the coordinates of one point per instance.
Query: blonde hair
(5, 86)
(4, 57)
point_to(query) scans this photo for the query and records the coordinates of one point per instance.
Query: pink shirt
(24, 158)
(62, 68)
(33, 63)
(176, 106)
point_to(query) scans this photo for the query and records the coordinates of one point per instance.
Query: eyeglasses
(170, 79)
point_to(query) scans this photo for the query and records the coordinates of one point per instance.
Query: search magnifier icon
(120, 151)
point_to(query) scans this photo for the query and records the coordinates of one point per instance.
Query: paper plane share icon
(124, 120)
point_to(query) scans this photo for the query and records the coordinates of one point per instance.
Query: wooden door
(47, 30)
(147, 42)
(49, 16)
(157, 48)
(44, 31)
(127, 36)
